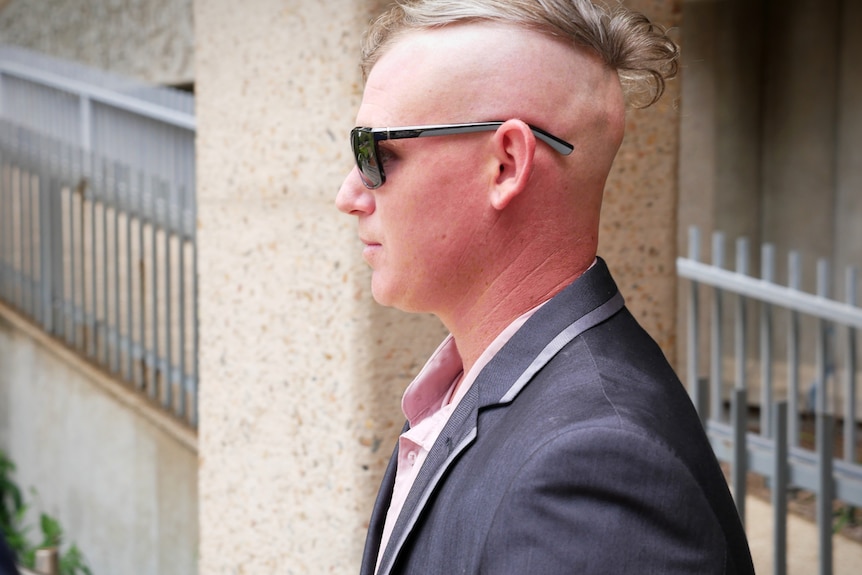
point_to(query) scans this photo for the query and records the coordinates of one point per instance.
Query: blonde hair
(626, 41)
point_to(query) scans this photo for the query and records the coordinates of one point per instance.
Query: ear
(514, 148)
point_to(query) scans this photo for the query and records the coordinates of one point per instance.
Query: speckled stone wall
(150, 40)
(301, 373)
(639, 219)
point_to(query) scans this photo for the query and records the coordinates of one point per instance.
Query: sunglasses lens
(364, 152)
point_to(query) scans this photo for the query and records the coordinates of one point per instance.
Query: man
(547, 434)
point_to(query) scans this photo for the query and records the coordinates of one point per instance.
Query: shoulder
(604, 499)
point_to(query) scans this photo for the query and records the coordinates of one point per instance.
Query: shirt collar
(430, 390)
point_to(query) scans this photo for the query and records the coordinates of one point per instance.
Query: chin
(390, 295)
(382, 293)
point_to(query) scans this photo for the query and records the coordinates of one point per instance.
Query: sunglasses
(367, 154)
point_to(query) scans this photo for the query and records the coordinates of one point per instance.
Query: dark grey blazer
(576, 450)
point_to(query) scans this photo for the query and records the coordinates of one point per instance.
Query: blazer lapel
(457, 435)
(378, 516)
(590, 300)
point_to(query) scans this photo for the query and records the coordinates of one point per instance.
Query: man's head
(625, 41)
(466, 218)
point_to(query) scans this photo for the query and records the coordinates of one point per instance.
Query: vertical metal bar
(93, 338)
(5, 215)
(5, 220)
(73, 276)
(167, 373)
(19, 218)
(35, 223)
(15, 224)
(794, 281)
(85, 108)
(779, 488)
(130, 331)
(851, 285)
(105, 299)
(27, 229)
(767, 273)
(45, 242)
(14, 183)
(154, 287)
(5, 229)
(821, 360)
(692, 329)
(142, 291)
(34, 239)
(4, 210)
(193, 384)
(825, 489)
(8, 230)
(741, 325)
(57, 295)
(79, 312)
(181, 268)
(824, 432)
(115, 323)
(84, 197)
(716, 334)
(739, 465)
(20, 259)
(30, 224)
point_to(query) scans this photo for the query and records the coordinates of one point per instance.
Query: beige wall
(771, 127)
(639, 216)
(150, 40)
(770, 135)
(301, 372)
(118, 474)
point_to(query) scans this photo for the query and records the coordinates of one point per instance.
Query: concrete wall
(771, 126)
(301, 373)
(150, 40)
(770, 137)
(639, 214)
(119, 475)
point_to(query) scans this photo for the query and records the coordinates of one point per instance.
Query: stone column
(301, 373)
(639, 215)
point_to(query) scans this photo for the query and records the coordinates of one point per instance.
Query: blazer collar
(588, 301)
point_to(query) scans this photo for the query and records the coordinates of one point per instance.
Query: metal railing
(97, 220)
(776, 451)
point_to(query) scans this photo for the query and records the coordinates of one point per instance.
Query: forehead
(427, 77)
(474, 72)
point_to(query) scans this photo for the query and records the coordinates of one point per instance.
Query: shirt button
(411, 457)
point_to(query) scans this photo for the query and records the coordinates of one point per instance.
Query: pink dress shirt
(427, 403)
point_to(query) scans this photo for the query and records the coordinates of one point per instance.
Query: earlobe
(514, 148)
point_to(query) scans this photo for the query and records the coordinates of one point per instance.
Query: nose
(353, 197)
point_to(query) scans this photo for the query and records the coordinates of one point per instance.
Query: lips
(371, 247)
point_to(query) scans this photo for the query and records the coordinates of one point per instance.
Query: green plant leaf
(52, 533)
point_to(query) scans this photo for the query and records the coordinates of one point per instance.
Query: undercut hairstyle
(639, 51)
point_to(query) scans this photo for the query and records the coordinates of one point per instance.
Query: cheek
(434, 200)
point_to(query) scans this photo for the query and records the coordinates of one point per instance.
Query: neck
(478, 318)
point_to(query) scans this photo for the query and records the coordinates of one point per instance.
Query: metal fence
(97, 220)
(773, 445)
